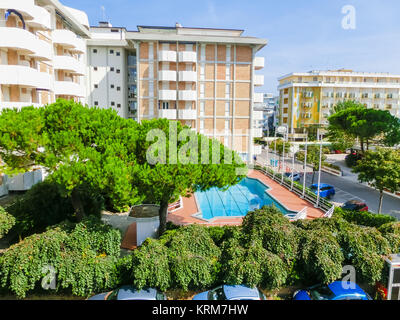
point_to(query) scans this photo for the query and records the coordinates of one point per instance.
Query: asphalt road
(348, 189)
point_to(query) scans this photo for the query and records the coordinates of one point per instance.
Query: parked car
(326, 190)
(355, 205)
(296, 176)
(225, 292)
(130, 293)
(337, 290)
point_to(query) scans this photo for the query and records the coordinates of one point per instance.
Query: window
(112, 103)
(118, 71)
(118, 54)
(95, 68)
(165, 105)
(112, 69)
(94, 50)
(96, 86)
(112, 86)
(118, 88)
(111, 51)
(118, 105)
(96, 103)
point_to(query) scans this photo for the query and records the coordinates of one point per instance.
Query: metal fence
(309, 196)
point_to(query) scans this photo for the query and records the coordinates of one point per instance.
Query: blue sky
(303, 35)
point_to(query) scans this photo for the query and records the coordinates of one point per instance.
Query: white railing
(167, 95)
(330, 212)
(167, 75)
(167, 55)
(175, 206)
(301, 215)
(259, 62)
(169, 114)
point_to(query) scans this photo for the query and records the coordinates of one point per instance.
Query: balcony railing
(188, 76)
(169, 114)
(24, 7)
(188, 56)
(24, 76)
(68, 88)
(258, 115)
(167, 75)
(167, 56)
(258, 80)
(258, 97)
(187, 114)
(187, 95)
(69, 64)
(69, 39)
(257, 132)
(41, 19)
(167, 95)
(259, 63)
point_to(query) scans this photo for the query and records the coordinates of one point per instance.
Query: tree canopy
(381, 169)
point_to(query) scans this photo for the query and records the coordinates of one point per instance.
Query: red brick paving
(288, 199)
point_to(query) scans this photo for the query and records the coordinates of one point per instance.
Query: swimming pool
(237, 201)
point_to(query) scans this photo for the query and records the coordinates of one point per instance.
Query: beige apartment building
(307, 99)
(204, 78)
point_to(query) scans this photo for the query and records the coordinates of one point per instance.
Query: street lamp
(305, 167)
(320, 165)
(283, 130)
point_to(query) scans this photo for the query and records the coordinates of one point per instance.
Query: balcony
(169, 114)
(41, 19)
(259, 63)
(258, 115)
(25, 42)
(69, 64)
(257, 150)
(69, 39)
(258, 97)
(167, 95)
(187, 95)
(167, 56)
(257, 132)
(188, 76)
(24, 76)
(187, 114)
(258, 80)
(188, 56)
(167, 75)
(68, 88)
(25, 7)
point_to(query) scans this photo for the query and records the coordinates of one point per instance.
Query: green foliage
(320, 256)
(279, 146)
(7, 221)
(84, 257)
(367, 219)
(183, 258)
(44, 206)
(352, 159)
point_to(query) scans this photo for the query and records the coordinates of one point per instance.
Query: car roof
(240, 291)
(322, 185)
(338, 290)
(130, 293)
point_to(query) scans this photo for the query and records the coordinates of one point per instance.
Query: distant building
(269, 110)
(307, 99)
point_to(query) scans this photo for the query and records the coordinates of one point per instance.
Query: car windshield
(217, 294)
(350, 206)
(113, 295)
(321, 293)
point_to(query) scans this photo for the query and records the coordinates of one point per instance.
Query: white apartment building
(204, 78)
(42, 52)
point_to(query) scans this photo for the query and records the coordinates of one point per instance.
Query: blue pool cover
(237, 201)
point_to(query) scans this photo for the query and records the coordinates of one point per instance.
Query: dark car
(130, 293)
(338, 290)
(226, 292)
(355, 205)
(325, 190)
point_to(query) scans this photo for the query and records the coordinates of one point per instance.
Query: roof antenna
(103, 9)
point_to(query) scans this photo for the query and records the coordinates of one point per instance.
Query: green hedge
(84, 257)
(367, 219)
(7, 221)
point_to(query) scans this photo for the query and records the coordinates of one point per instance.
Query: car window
(113, 295)
(217, 294)
(321, 293)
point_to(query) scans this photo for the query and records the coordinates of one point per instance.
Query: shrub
(252, 265)
(7, 221)
(84, 257)
(352, 159)
(367, 219)
(321, 257)
(44, 206)
(277, 234)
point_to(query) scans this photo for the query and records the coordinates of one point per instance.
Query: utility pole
(274, 157)
(320, 165)
(305, 167)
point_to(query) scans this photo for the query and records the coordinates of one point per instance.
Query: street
(347, 187)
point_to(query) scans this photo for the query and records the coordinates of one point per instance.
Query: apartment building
(42, 52)
(204, 78)
(307, 99)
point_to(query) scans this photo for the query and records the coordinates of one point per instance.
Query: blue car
(130, 293)
(335, 291)
(325, 191)
(226, 292)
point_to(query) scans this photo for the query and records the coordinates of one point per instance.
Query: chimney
(105, 24)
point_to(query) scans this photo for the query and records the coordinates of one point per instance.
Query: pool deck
(288, 199)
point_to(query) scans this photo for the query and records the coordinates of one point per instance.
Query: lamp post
(319, 172)
(292, 150)
(305, 168)
(273, 176)
(267, 147)
(283, 130)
